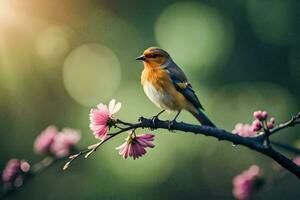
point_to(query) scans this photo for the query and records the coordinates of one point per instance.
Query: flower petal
(117, 107)
(121, 146)
(111, 105)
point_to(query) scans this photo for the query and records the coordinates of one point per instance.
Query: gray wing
(175, 71)
(182, 85)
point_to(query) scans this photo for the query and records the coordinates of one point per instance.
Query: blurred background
(59, 58)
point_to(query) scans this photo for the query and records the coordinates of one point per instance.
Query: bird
(166, 85)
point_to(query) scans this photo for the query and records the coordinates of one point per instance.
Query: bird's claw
(154, 118)
(141, 118)
(170, 124)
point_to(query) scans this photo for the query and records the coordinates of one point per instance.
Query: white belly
(158, 97)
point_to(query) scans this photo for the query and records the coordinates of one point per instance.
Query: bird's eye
(154, 56)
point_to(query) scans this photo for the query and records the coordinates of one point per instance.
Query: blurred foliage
(59, 58)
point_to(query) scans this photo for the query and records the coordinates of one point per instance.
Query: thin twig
(124, 123)
(292, 122)
(36, 169)
(92, 148)
(286, 147)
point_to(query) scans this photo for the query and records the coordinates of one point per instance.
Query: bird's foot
(154, 118)
(170, 124)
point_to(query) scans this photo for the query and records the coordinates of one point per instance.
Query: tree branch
(251, 143)
(255, 143)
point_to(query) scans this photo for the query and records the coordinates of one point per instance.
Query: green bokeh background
(59, 58)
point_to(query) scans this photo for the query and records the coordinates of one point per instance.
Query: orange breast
(159, 78)
(161, 81)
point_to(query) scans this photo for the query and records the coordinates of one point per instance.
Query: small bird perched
(167, 86)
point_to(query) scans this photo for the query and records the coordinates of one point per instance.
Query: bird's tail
(202, 118)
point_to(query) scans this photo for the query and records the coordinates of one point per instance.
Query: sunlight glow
(53, 43)
(91, 74)
(8, 15)
(5, 9)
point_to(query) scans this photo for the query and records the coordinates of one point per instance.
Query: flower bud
(270, 125)
(264, 115)
(24, 166)
(272, 120)
(256, 125)
(260, 115)
(257, 114)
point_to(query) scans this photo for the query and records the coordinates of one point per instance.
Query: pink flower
(244, 183)
(257, 114)
(43, 142)
(256, 125)
(14, 168)
(55, 143)
(260, 115)
(272, 120)
(296, 160)
(25, 166)
(264, 115)
(134, 145)
(244, 130)
(64, 141)
(271, 123)
(101, 118)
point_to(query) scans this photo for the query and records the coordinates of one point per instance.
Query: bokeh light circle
(91, 74)
(106, 27)
(196, 35)
(53, 42)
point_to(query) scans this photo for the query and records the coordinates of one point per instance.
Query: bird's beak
(142, 57)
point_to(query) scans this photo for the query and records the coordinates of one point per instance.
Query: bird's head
(154, 57)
